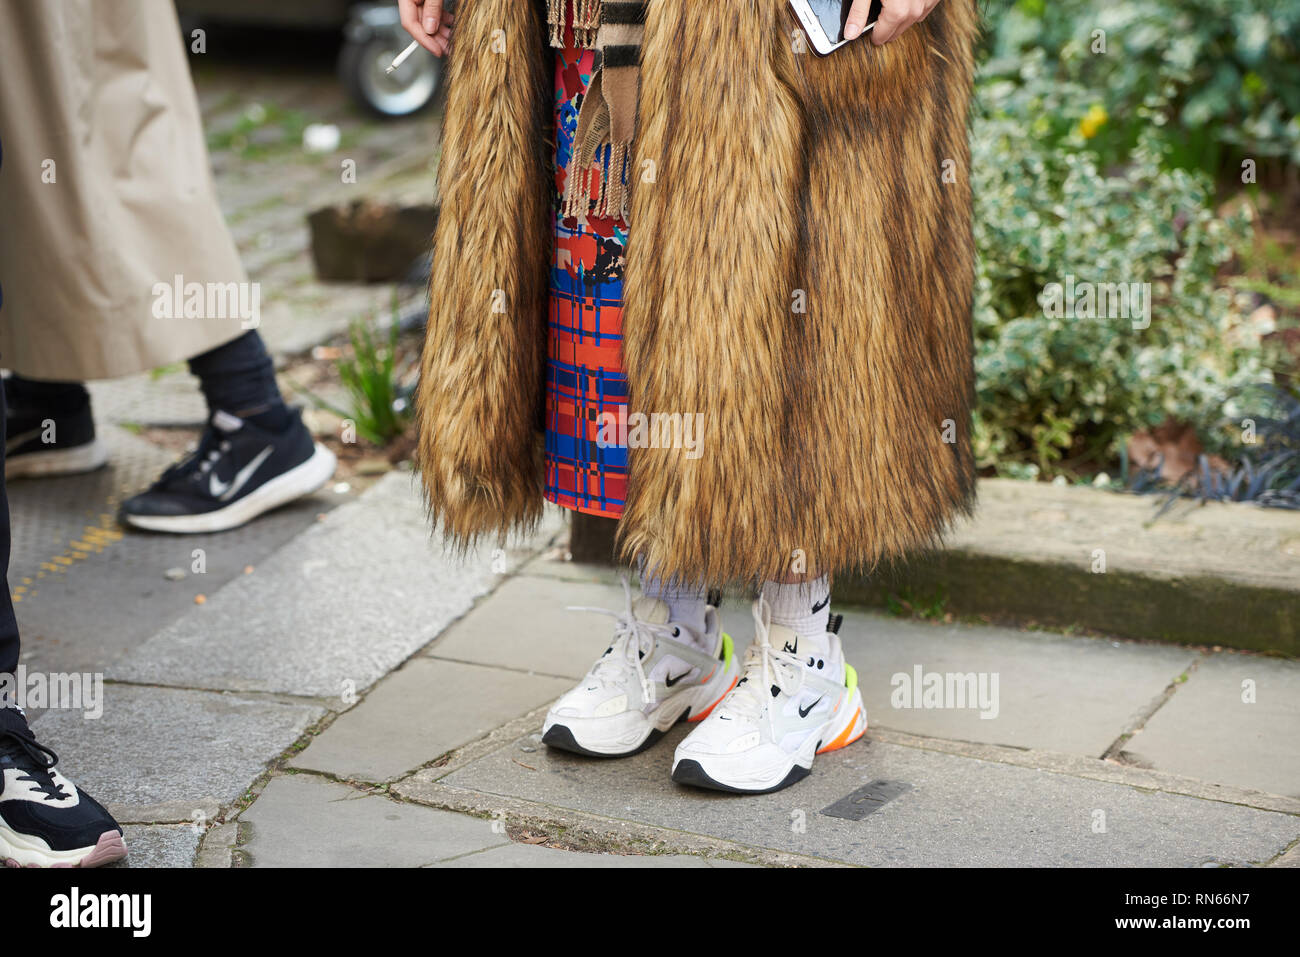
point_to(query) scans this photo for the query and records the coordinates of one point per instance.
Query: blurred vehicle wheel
(408, 89)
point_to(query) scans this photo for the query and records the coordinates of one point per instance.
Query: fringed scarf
(607, 116)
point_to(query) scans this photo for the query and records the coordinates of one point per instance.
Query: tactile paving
(86, 590)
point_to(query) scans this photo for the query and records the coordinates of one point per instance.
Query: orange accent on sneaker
(844, 738)
(705, 713)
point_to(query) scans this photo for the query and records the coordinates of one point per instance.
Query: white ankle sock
(803, 607)
(686, 604)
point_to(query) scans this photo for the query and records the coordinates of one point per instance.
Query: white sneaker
(648, 679)
(787, 709)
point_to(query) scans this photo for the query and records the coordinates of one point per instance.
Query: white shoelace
(631, 634)
(764, 667)
(213, 457)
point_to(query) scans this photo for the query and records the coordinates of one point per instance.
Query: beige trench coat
(105, 192)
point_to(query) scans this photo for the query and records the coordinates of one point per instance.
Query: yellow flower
(1093, 121)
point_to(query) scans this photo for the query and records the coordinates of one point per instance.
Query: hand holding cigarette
(428, 24)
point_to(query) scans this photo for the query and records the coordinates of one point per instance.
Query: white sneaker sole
(298, 481)
(23, 850)
(767, 768)
(74, 461)
(632, 732)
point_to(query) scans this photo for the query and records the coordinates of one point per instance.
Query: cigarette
(401, 57)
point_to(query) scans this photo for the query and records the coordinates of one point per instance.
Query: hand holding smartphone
(823, 21)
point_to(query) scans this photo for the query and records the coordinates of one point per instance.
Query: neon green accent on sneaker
(728, 649)
(850, 677)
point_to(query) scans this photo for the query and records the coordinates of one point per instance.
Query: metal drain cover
(867, 799)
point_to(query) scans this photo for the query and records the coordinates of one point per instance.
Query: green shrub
(371, 381)
(378, 403)
(1220, 79)
(1051, 389)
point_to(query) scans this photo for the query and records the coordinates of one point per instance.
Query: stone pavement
(1100, 753)
(363, 698)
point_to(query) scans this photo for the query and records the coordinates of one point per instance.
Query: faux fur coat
(799, 269)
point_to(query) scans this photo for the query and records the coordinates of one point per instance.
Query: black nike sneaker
(45, 821)
(238, 472)
(39, 442)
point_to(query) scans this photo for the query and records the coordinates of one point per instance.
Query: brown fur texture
(479, 402)
(765, 181)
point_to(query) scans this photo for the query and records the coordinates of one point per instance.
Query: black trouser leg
(39, 395)
(8, 624)
(238, 377)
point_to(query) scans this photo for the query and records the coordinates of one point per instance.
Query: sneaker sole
(109, 848)
(298, 481)
(75, 461)
(559, 736)
(691, 771)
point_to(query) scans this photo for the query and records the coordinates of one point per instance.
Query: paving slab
(534, 855)
(952, 811)
(1053, 692)
(159, 845)
(49, 513)
(168, 397)
(526, 625)
(86, 590)
(289, 327)
(217, 846)
(159, 745)
(334, 610)
(553, 564)
(421, 711)
(1235, 721)
(301, 820)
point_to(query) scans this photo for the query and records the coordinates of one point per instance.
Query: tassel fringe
(609, 180)
(597, 163)
(586, 21)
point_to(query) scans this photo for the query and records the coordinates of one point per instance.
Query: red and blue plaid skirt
(585, 380)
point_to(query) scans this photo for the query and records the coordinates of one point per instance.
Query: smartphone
(823, 21)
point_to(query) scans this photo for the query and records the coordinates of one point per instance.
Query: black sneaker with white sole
(238, 472)
(42, 443)
(45, 820)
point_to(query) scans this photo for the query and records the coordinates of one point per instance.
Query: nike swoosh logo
(803, 712)
(669, 680)
(20, 440)
(223, 491)
(824, 602)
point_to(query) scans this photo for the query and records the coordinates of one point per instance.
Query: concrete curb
(1185, 610)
